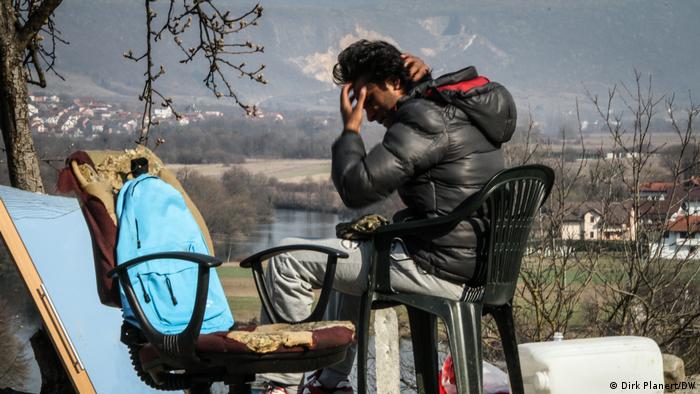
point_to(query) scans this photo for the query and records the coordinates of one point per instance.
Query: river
(287, 223)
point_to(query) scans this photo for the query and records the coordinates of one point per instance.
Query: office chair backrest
(96, 178)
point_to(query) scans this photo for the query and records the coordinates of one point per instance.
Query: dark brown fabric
(103, 231)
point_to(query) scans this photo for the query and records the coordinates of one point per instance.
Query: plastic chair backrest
(510, 200)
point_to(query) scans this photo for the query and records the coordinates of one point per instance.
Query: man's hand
(417, 69)
(352, 116)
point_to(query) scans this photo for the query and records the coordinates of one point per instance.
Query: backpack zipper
(145, 295)
(138, 240)
(170, 289)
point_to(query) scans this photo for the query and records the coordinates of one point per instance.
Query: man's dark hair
(378, 61)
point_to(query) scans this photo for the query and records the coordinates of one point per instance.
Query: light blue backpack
(153, 217)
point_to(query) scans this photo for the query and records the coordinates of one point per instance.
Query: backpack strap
(463, 89)
(464, 86)
(446, 93)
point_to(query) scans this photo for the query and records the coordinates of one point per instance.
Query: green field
(240, 291)
(245, 309)
(234, 271)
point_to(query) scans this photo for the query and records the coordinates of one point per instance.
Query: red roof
(655, 186)
(685, 224)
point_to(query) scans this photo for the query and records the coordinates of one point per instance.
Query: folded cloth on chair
(270, 337)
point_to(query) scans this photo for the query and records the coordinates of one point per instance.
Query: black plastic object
(509, 201)
(255, 262)
(139, 166)
(177, 349)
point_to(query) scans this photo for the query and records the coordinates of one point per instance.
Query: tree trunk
(22, 162)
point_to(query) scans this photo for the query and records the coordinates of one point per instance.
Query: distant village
(668, 209)
(88, 118)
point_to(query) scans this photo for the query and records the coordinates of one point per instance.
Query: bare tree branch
(213, 29)
(33, 57)
(37, 17)
(39, 58)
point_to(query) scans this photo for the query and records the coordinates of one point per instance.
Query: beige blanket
(269, 337)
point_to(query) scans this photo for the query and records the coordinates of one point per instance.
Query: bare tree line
(631, 290)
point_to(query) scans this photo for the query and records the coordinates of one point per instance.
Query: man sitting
(432, 154)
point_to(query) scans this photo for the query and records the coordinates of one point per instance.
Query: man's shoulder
(422, 114)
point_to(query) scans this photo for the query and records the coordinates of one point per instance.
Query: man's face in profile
(380, 102)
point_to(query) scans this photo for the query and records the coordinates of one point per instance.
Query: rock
(692, 384)
(386, 344)
(674, 369)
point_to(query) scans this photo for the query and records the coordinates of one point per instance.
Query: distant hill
(542, 50)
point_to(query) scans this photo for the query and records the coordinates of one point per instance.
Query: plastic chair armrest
(255, 262)
(383, 237)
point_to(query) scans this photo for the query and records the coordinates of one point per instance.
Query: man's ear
(394, 83)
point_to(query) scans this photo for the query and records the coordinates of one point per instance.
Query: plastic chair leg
(506, 328)
(464, 330)
(362, 333)
(425, 356)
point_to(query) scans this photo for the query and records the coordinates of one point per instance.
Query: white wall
(571, 230)
(675, 247)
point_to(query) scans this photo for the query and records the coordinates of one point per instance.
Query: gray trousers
(291, 277)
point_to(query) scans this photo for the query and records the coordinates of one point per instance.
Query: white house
(163, 113)
(593, 221)
(70, 123)
(37, 125)
(620, 155)
(681, 239)
(571, 227)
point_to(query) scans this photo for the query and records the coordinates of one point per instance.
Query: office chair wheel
(170, 382)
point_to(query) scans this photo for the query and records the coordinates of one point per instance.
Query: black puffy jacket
(435, 157)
